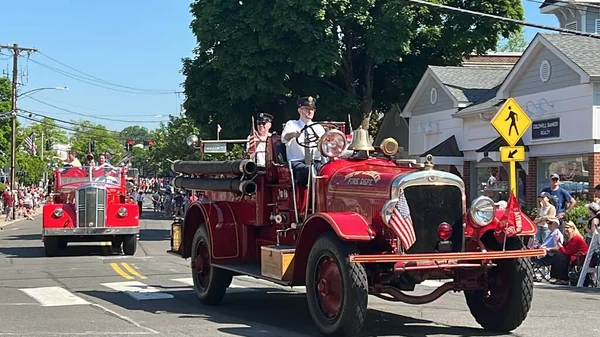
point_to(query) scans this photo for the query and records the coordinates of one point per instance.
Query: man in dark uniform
(257, 142)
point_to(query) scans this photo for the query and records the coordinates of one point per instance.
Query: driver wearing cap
(291, 137)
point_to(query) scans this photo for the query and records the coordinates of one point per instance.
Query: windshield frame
(112, 175)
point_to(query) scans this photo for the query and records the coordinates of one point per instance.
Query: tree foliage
(5, 130)
(356, 56)
(515, 43)
(85, 131)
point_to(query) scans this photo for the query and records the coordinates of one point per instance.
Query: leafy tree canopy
(85, 131)
(5, 130)
(356, 56)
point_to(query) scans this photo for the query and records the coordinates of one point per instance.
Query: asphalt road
(88, 292)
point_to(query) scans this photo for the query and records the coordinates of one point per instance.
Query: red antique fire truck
(90, 204)
(335, 235)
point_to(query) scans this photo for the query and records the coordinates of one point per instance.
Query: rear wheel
(210, 282)
(129, 244)
(337, 290)
(506, 302)
(51, 245)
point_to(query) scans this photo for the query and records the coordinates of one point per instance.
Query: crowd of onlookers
(566, 246)
(22, 202)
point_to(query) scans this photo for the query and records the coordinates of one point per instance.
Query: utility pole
(15, 77)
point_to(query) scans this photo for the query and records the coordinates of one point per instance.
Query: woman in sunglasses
(566, 255)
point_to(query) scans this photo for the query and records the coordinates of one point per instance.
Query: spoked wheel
(337, 290)
(505, 304)
(210, 283)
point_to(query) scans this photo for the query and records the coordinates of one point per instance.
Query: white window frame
(597, 26)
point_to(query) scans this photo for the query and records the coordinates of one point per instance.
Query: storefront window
(573, 172)
(491, 180)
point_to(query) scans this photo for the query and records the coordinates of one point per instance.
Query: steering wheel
(311, 138)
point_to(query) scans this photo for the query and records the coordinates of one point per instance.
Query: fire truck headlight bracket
(482, 211)
(333, 143)
(122, 212)
(58, 212)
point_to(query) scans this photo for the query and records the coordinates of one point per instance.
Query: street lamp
(13, 150)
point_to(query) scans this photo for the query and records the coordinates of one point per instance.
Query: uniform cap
(264, 117)
(306, 101)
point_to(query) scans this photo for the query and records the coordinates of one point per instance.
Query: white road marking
(54, 296)
(232, 288)
(138, 290)
(87, 333)
(16, 229)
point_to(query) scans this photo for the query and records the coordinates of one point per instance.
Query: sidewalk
(12, 222)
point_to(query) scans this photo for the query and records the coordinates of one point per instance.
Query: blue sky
(131, 43)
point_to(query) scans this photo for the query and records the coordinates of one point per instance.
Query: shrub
(579, 215)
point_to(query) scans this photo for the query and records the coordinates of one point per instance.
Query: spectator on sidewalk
(564, 201)
(8, 199)
(546, 211)
(566, 255)
(140, 201)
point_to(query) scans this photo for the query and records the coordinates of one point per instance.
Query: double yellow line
(128, 276)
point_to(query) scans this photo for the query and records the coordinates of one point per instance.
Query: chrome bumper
(90, 231)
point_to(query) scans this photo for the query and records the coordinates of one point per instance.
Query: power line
(89, 116)
(71, 129)
(107, 82)
(104, 113)
(88, 81)
(501, 18)
(66, 122)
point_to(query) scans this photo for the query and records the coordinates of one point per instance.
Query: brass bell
(360, 141)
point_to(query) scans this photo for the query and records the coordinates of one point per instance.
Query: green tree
(85, 131)
(50, 131)
(32, 166)
(515, 43)
(358, 56)
(138, 133)
(5, 130)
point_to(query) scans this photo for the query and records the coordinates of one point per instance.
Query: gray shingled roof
(488, 100)
(469, 84)
(584, 51)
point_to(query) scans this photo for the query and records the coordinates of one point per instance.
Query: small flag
(511, 222)
(30, 143)
(219, 128)
(401, 223)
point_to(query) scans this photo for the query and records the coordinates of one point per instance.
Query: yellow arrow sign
(511, 122)
(512, 153)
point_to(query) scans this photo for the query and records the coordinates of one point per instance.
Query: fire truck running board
(251, 269)
(443, 257)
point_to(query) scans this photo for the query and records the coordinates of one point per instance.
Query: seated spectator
(594, 221)
(551, 241)
(566, 255)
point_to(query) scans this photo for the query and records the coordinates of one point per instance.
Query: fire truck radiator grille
(429, 207)
(91, 206)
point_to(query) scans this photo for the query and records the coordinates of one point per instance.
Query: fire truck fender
(222, 227)
(348, 226)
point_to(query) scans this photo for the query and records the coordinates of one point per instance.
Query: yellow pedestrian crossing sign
(511, 122)
(512, 153)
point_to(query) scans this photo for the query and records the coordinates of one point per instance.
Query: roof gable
(469, 84)
(428, 76)
(539, 42)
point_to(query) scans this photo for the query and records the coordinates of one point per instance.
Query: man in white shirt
(257, 144)
(291, 136)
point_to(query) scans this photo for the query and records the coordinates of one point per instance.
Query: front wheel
(210, 283)
(337, 290)
(52, 245)
(129, 244)
(506, 302)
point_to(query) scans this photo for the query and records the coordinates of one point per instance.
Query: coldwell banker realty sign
(546, 128)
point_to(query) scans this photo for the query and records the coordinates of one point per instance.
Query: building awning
(494, 145)
(447, 148)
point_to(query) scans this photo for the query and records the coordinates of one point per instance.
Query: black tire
(350, 317)
(129, 244)
(116, 244)
(62, 243)
(504, 309)
(210, 284)
(51, 245)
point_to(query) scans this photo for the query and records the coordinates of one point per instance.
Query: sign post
(511, 122)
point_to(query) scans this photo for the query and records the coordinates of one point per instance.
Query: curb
(12, 222)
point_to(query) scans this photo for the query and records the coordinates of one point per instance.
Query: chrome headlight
(122, 212)
(333, 143)
(387, 210)
(482, 211)
(58, 212)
